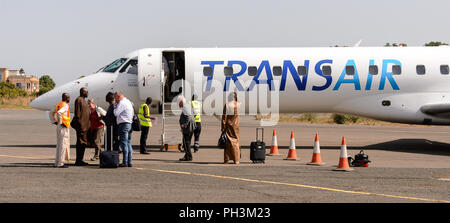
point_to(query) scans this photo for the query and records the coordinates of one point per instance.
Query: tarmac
(409, 164)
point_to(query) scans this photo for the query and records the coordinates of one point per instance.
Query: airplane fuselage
(385, 83)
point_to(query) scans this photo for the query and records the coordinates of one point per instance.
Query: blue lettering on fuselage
(265, 65)
(301, 80)
(388, 75)
(300, 83)
(369, 77)
(234, 77)
(328, 78)
(354, 80)
(211, 64)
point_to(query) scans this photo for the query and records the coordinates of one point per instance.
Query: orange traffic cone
(343, 160)
(274, 147)
(292, 155)
(316, 158)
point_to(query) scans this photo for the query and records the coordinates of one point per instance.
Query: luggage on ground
(361, 159)
(109, 158)
(258, 148)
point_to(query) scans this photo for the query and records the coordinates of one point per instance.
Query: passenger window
(207, 71)
(420, 69)
(326, 70)
(302, 71)
(444, 69)
(277, 71)
(252, 71)
(350, 70)
(228, 71)
(373, 69)
(396, 69)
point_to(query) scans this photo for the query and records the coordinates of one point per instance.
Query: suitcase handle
(262, 134)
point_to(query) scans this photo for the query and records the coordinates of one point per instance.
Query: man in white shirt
(62, 121)
(124, 114)
(187, 124)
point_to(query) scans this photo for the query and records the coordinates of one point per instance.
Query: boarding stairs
(171, 137)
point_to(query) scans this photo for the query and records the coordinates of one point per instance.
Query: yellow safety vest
(65, 117)
(144, 121)
(197, 107)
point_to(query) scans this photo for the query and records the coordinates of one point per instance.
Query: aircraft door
(149, 74)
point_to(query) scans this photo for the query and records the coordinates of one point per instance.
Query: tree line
(8, 90)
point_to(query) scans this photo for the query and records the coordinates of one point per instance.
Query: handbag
(222, 140)
(75, 124)
(136, 124)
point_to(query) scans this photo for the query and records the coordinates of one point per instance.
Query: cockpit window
(111, 68)
(131, 67)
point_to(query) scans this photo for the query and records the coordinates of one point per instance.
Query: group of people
(190, 123)
(90, 120)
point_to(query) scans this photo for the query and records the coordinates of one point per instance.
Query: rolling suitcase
(258, 148)
(109, 158)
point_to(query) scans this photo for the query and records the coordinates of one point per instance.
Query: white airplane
(396, 84)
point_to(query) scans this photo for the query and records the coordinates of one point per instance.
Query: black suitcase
(258, 148)
(109, 158)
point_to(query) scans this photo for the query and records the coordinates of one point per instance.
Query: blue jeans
(125, 141)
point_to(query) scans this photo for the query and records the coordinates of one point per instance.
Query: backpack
(361, 159)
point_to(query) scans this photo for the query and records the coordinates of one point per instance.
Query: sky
(67, 39)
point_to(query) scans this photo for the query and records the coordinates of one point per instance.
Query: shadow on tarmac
(422, 146)
(39, 165)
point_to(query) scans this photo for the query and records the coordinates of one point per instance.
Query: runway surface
(409, 164)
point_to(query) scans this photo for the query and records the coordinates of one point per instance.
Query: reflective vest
(65, 117)
(197, 107)
(144, 121)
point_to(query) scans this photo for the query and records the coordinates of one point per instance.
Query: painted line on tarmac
(296, 185)
(24, 157)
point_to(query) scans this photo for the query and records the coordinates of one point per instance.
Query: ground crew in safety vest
(197, 110)
(146, 123)
(61, 118)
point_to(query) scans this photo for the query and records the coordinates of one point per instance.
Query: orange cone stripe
(343, 163)
(274, 146)
(316, 158)
(292, 153)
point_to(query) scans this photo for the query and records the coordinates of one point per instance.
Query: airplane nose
(34, 103)
(41, 103)
(46, 101)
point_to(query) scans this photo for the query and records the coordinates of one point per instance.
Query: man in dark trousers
(81, 124)
(187, 124)
(146, 123)
(197, 112)
(111, 125)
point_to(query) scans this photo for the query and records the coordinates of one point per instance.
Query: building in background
(28, 83)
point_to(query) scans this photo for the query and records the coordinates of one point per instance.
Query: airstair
(171, 136)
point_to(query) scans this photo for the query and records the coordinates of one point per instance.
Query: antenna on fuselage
(357, 43)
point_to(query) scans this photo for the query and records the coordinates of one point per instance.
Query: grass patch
(22, 102)
(322, 118)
